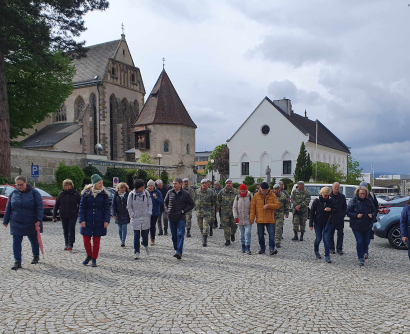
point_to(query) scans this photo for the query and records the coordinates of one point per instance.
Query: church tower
(165, 130)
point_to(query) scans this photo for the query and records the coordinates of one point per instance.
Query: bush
(236, 185)
(289, 188)
(164, 177)
(222, 183)
(3, 180)
(91, 170)
(252, 188)
(107, 183)
(249, 180)
(259, 180)
(86, 180)
(74, 173)
(286, 181)
(115, 172)
(52, 188)
(152, 175)
(130, 177)
(141, 174)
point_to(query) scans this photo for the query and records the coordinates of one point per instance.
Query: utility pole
(316, 152)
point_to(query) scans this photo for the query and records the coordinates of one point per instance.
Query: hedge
(73, 173)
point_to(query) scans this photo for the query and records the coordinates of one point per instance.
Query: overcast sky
(346, 62)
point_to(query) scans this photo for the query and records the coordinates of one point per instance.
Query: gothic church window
(166, 146)
(187, 149)
(79, 107)
(61, 114)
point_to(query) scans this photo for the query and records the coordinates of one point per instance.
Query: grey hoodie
(140, 210)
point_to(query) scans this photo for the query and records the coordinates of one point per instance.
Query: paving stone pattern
(216, 289)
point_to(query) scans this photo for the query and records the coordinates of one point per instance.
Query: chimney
(285, 105)
(305, 114)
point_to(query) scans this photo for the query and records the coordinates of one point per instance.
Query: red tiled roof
(164, 106)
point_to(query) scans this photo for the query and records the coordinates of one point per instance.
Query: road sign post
(35, 172)
(115, 181)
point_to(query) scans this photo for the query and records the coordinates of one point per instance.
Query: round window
(265, 129)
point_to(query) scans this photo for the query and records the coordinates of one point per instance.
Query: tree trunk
(4, 123)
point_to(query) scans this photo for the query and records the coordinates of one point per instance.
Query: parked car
(48, 200)
(388, 222)
(383, 197)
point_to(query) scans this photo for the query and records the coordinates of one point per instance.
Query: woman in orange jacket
(263, 205)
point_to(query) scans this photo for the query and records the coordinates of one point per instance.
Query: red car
(48, 200)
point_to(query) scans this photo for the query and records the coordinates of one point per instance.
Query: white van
(314, 188)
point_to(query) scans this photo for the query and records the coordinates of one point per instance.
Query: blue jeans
(261, 235)
(17, 240)
(245, 234)
(137, 236)
(177, 232)
(362, 242)
(323, 232)
(122, 232)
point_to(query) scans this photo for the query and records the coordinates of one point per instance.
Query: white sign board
(115, 181)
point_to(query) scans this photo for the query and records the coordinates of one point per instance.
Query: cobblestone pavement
(216, 289)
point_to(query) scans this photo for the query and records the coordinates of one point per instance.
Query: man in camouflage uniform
(217, 190)
(282, 190)
(205, 200)
(300, 201)
(280, 214)
(225, 201)
(185, 185)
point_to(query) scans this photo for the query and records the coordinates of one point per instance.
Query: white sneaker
(147, 250)
(137, 256)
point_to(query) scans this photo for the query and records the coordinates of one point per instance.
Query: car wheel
(394, 237)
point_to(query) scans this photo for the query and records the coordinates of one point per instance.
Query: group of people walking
(171, 207)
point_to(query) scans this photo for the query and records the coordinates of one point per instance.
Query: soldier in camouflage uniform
(226, 197)
(205, 200)
(185, 185)
(280, 213)
(300, 200)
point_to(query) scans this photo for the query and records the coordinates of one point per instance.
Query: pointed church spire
(122, 28)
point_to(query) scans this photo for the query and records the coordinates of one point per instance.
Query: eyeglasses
(19, 185)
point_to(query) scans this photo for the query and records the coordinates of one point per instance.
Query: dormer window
(133, 77)
(113, 71)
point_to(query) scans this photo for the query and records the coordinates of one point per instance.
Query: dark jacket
(405, 222)
(23, 211)
(176, 203)
(67, 202)
(156, 203)
(363, 206)
(95, 211)
(338, 210)
(164, 191)
(119, 209)
(375, 203)
(318, 215)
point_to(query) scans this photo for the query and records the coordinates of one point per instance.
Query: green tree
(145, 159)
(303, 170)
(73, 173)
(38, 84)
(309, 168)
(33, 29)
(354, 171)
(220, 155)
(249, 180)
(286, 181)
(116, 172)
(164, 177)
(141, 174)
(91, 170)
(259, 180)
(328, 173)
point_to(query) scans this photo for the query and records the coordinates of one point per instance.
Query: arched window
(287, 163)
(61, 114)
(93, 102)
(79, 107)
(245, 165)
(187, 149)
(123, 106)
(166, 146)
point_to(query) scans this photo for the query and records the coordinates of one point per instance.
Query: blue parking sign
(35, 171)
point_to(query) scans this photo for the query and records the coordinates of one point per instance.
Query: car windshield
(43, 193)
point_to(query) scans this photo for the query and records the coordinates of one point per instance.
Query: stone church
(107, 107)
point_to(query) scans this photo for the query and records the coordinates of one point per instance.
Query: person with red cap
(242, 213)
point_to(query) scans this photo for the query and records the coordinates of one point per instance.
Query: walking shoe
(361, 262)
(17, 265)
(332, 251)
(160, 232)
(220, 227)
(216, 225)
(94, 263)
(165, 231)
(146, 250)
(273, 252)
(210, 232)
(301, 236)
(65, 248)
(278, 246)
(87, 260)
(340, 252)
(227, 242)
(178, 256)
(69, 248)
(35, 260)
(295, 238)
(122, 244)
(137, 255)
(152, 242)
(243, 248)
(188, 232)
(366, 256)
(328, 260)
(204, 237)
(233, 237)
(248, 250)
(261, 251)
(318, 256)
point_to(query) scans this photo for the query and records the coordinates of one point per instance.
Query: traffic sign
(115, 181)
(35, 171)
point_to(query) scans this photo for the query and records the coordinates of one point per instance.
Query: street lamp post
(212, 168)
(159, 156)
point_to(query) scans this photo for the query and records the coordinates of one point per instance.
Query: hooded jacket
(364, 206)
(242, 208)
(140, 209)
(68, 202)
(23, 211)
(94, 211)
(264, 216)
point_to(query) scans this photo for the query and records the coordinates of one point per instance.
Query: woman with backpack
(68, 202)
(94, 217)
(139, 205)
(157, 201)
(320, 213)
(119, 210)
(361, 211)
(242, 213)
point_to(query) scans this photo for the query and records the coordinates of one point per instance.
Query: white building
(272, 136)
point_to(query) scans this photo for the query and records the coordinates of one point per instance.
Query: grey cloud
(193, 10)
(287, 88)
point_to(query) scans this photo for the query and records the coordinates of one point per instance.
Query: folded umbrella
(40, 242)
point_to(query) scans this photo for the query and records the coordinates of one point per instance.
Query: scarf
(95, 192)
(243, 195)
(121, 195)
